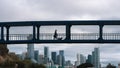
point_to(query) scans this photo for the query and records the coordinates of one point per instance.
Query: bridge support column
(34, 32)
(38, 32)
(2, 33)
(68, 32)
(7, 31)
(101, 32)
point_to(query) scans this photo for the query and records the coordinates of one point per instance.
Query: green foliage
(21, 64)
(41, 66)
(8, 64)
(33, 65)
(29, 64)
(85, 65)
(11, 60)
(110, 66)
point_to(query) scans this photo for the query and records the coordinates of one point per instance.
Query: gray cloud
(58, 10)
(17, 48)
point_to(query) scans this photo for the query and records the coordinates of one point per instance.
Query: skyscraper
(24, 55)
(93, 57)
(30, 48)
(78, 60)
(61, 59)
(36, 55)
(61, 52)
(68, 64)
(46, 55)
(89, 59)
(54, 57)
(96, 57)
(82, 59)
(41, 59)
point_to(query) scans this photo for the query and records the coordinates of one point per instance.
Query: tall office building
(24, 55)
(46, 55)
(75, 64)
(89, 59)
(82, 59)
(61, 59)
(96, 58)
(78, 60)
(30, 48)
(41, 59)
(68, 64)
(93, 57)
(61, 52)
(54, 57)
(36, 55)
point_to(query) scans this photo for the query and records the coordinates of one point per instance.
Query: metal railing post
(34, 32)
(38, 32)
(100, 32)
(68, 32)
(7, 31)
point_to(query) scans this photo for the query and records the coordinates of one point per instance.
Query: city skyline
(59, 58)
(61, 52)
(71, 54)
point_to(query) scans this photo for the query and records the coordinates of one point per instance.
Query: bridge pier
(68, 32)
(34, 33)
(7, 32)
(38, 32)
(2, 33)
(100, 32)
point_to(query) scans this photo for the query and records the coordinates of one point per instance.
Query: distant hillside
(10, 60)
(5, 55)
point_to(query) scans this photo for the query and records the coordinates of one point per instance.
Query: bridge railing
(18, 36)
(84, 36)
(111, 36)
(49, 36)
(74, 36)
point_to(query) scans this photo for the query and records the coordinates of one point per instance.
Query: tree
(110, 66)
(41, 66)
(85, 65)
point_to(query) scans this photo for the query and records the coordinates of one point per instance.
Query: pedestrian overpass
(67, 37)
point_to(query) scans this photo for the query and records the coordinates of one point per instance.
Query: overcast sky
(37, 10)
